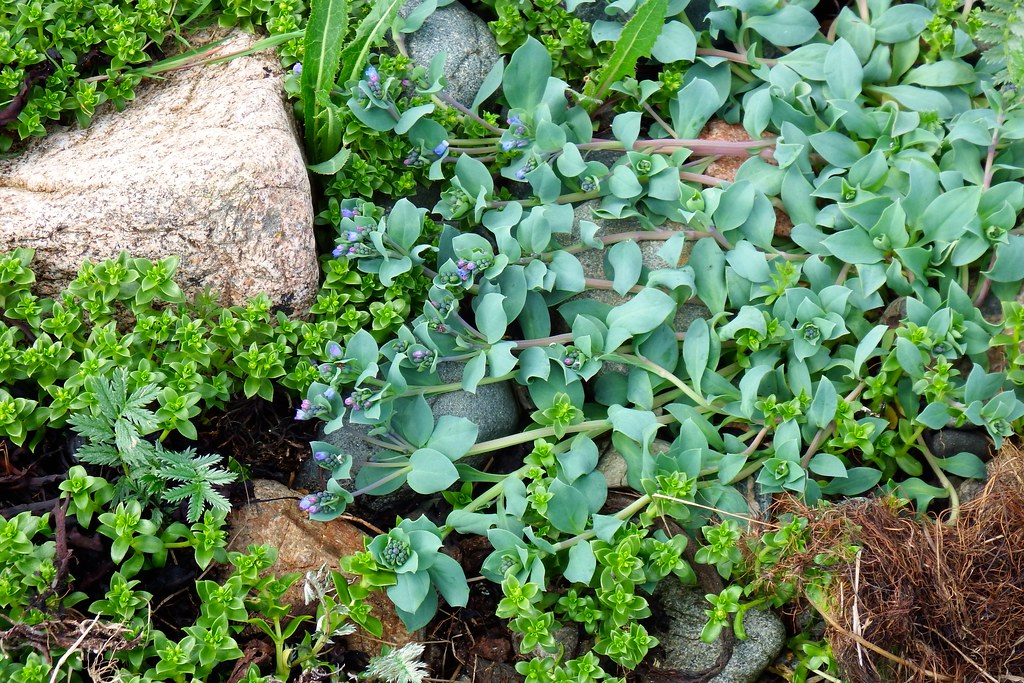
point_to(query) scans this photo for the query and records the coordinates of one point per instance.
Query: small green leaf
(857, 481)
(791, 25)
(626, 262)
(843, 72)
(567, 509)
(526, 76)
(582, 563)
(490, 317)
(823, 407)
(332, 165)
(432, 471)
(827, 465)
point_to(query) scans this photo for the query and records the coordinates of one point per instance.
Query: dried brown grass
(922, 600)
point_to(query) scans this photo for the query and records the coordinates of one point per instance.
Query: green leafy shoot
(637, 40)
(325, 33)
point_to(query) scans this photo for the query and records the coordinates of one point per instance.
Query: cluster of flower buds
(444, 306)
(421, 358)
(516, 137)
(327, 461)
(310, 503)
(508, 563)
(327, 371)
(573, 358)
(396, 553)
(414, 158)
(437, 325)
(465, 269)
(318, 502)
(353, 250)
(530, 164)
(360, 399)
(590, 184)
(307, 410)
(373, 79)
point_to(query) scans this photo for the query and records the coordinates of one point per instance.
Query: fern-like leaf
(198, 475)
(1003, 32)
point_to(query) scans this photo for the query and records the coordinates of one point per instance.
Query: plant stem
(661, 122)
(625, 513)
(954, 499)
(727, 148)
(737, 57)
(824, 433)
(654, 368)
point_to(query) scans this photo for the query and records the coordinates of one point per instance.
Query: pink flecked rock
(205, 165)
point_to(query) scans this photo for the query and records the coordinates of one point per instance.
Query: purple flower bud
(301, 415)
(320, 456)
(371, 74)
(297, 69)
(308, 502)
(513, 120)
(508, 144)
(521, 174)
(441, 148)
(306, 404)
(349, 401)
(329, 394)
(463, 274)
(334, 350)
(567, 361)
(470, 266)
(347, 213)
(522, 143)
(339, 251)
(313, 509)
(417, 354)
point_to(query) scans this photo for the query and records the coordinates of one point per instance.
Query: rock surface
(274, 518)
(683, 651)
(464, 37)
(205, 165)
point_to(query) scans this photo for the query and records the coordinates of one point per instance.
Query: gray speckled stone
(682, 649)
(765, 637)
(493, 408)
(613, 466)
(471, 49)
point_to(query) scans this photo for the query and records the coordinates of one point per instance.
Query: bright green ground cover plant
(127, 644)
(827, 352)
(130, 314)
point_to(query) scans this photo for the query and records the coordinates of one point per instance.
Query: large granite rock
(205, 165)
(469, 47)
(274, 518)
